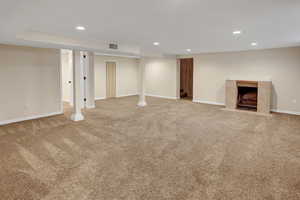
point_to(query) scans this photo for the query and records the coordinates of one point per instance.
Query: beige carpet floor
(169, 150)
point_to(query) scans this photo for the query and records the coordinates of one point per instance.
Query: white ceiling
(200, 25)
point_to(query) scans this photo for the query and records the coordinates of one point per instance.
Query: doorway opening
(110, 79)
(186, 78)
(67, 78)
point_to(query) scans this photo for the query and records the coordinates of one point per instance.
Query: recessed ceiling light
(155, 43)
(237, 32)
(80, 28)
(188, 50)
(253, 43)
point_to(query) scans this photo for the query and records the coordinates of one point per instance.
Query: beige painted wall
(126, 75)
(29, 82)
(282, 66)
(160, 75)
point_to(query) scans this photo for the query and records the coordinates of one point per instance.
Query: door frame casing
(178, 76)
(61, 82)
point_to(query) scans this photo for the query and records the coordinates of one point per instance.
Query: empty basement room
(150, 100)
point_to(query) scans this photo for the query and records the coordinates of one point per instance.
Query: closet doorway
(110, 79)
(186, 78)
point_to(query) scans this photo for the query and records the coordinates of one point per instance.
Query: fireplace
(244, 96)
(247, 95)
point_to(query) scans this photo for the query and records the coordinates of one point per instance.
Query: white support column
(141, 82)
(90, 80)
(77, 87)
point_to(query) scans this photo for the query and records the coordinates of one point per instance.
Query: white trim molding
(100, 98)
(61, 81)
(222, 104)
(285, 112)
(127, 95)
(208, 102)
(10, 121)
(159, 96)
(116, 55)
(90, 107)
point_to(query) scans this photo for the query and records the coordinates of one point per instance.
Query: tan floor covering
(175, 150)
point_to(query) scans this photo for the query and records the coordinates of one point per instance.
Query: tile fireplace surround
(264, 92)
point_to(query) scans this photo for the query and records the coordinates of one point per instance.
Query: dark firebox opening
(247, 98)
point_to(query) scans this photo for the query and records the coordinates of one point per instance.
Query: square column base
(142, 104)
(77, 117)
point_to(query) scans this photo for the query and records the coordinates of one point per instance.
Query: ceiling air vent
(113, 46)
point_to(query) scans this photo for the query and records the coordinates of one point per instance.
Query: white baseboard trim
(285, 112)
(126, 95)
(100, 98)
(159, 96)
(29, 118)
(208, 102)
(222, 104)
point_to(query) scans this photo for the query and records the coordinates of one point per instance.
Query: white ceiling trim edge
(115, 55)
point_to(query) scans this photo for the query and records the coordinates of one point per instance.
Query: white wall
(126, 76)
(282, 66)
(160, 75)
(29, 83)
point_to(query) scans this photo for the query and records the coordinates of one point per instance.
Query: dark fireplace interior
(247, 96)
